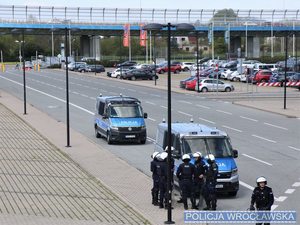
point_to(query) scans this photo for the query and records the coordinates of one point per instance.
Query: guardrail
(80, 15)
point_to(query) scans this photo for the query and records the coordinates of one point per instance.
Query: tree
(224, 15)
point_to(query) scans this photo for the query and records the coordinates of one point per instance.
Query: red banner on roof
(143, 36)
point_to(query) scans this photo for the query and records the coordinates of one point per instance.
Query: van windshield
(128, 111)
(220, 147)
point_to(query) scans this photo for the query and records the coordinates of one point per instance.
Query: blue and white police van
(188, 138)
(120, 119)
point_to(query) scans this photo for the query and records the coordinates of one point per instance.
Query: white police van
(188, 138)
(120, 119)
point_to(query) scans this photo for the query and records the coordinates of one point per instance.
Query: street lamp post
(24, 78)
(154, 59)
(67, 87)
(169, 26)
(285, 70)
(22, 55)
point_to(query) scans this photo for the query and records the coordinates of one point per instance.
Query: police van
(120, 119)
(188, 138)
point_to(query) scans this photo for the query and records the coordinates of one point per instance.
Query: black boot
(194, 204)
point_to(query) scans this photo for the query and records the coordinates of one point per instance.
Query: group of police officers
(195, 180)
(199, 179)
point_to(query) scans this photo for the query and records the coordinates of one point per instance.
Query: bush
(269, 59)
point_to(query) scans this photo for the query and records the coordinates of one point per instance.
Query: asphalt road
(268, 144)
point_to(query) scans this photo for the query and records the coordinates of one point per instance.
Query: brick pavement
(37, 179)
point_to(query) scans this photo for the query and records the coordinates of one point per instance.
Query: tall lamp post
(22, 55)
(169, 26)
(66, 50)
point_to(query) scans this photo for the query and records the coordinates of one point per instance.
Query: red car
(175, 68)
(262, 76)
(191, 84)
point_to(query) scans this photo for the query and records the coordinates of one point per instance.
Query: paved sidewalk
(130, 185)
(37, 179)
(274, 106)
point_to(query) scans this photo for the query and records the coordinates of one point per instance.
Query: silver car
(206, 85)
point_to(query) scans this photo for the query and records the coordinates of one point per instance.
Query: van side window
(101, 108)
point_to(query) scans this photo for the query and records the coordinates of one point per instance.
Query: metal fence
(80, 15)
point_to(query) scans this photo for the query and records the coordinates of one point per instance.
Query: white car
(206, 85)
(185, 66)
(234, 76)
(117, 73)
(225, 74)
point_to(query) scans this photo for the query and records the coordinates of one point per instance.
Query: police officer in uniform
(262, 196)
(200, 170)
(155, 178)
(185, 174)
(162, 172)
(209, 189)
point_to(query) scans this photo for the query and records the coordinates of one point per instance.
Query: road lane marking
(289, 191)
(164, 107)
(206, 120)
(296, 184)
(247, 118)
(272, 125)
(262, 138)
(151, 119)
(84, 95)
(226, 102)
(131, 90)
(203, 106)
(231, 128)
(151, 103)
(297, 149)
(183, 113)
(246, 185)
(155, 95)
(221, 111)
(185, 102)
(280, 199)
(151, 139)
(273, 207)
(51, 96)
(259, 160)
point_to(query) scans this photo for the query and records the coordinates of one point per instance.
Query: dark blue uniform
(263, 198)
(200, 169)
(155, 178)
(209, 189)
(185, 174)
(161, 171)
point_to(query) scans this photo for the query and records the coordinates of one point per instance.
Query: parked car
(280, 77)
(262, 76)
(138, 74)
(117, 72)
(295, 77)
(126, 64)
(235, 76)
(191, 84)
(227, 73)
(186, 66)
(206, 85)
(175, 68)
(75, 65)
(182, 83)
(97, 68)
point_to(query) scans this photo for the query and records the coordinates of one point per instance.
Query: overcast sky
(170, 4)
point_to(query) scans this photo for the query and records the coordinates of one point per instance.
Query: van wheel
(232, 193)
(108, 138)
(96, 132)
(176, 71)
(118, 77)
(204, 89)
(234, 79)
(263, 81)
(133, 78)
